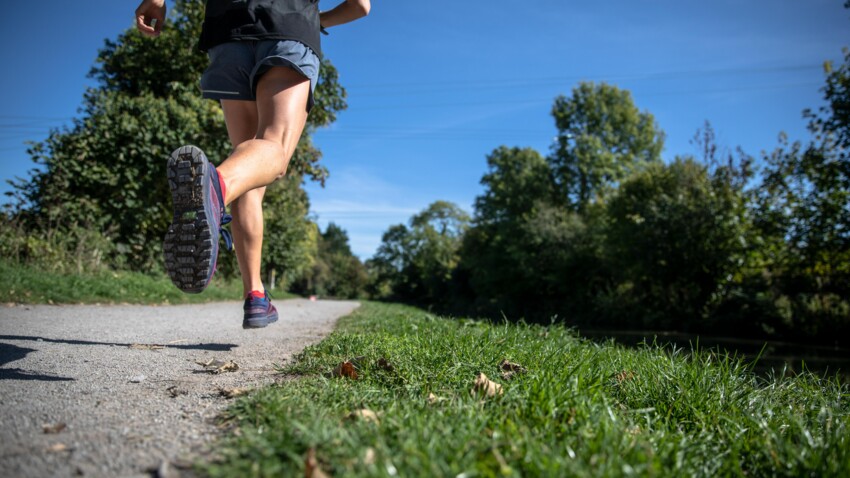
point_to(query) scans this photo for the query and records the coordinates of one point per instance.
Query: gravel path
(114, 403)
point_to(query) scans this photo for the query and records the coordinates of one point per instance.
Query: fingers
(150, 18)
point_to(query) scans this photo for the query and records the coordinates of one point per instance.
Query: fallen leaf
(345, 369)
(385, 364)
(216, 366)
(364, 414)
(485, 386)
(54, 428)
(311, 466)
(369, 456)
(507, 366)
(624, 376)
(58, 448)
(176, 392)
(146, 346)
(233, 392)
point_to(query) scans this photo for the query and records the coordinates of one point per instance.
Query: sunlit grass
(581, 409)
(28, 285)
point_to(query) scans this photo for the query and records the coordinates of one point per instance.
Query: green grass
(582, 409)
(27, 285)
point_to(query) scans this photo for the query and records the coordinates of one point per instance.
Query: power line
(673, 74)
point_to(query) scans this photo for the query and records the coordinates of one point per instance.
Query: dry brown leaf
(345, 369)
(485, 386)
(311, 466)
(364, 414)
(385, 364)
(216, 366)
(58, 448)
(507, 366)
(53, 429)
(369, 456)
(146, 346)
(233, 392)
(176, 392)
(624, 376)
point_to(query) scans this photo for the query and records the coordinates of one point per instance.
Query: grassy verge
(26, 285)
(580, 409)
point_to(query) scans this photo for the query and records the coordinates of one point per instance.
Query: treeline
(602, 233)
(599, 232)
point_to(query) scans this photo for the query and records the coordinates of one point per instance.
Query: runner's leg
(247, 211)
(282, 95)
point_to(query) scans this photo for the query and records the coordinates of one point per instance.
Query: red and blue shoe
(259, 311)
(191, 243)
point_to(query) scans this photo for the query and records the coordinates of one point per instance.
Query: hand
(150, 16)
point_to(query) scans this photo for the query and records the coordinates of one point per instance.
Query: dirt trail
(116, 409)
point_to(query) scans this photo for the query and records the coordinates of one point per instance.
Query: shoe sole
(188, 247)
(259, 322)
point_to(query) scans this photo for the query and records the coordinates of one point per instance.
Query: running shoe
(191, 243)
(259, 312)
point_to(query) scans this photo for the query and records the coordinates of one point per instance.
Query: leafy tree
(496, 261)
(336, 272)
(387, 269)
(802, 212)
(106, 172)
(416, 264)
(602, 138)
(291, 243)
(805, 195)
(676, 239)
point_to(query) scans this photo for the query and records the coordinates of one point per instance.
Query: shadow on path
(208, 347)
(11, 353)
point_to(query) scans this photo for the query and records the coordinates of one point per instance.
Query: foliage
(602, 138)
(417, 263)
(526, 255)
(105, 173)
(291, 241)
(602, 234)
(336, 271)
(676, 239)
(579, 409)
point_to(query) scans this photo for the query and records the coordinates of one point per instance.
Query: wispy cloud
(363, 204)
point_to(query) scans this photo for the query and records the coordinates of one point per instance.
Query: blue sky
(435, 86)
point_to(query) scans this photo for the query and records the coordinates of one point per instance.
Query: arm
(345, 12)
(148, 12)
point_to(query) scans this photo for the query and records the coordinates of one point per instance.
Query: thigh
(282, 95)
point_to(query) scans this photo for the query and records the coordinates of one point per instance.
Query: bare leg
(281, 114)
(264, 134)
(247, 211)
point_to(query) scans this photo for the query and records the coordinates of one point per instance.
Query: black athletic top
(235, 20)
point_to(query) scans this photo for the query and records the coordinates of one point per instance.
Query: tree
(496, 260)
(336, 272)
(602, 138)
(106, 172)
(804, 200)
(416, 264)
(676, 238)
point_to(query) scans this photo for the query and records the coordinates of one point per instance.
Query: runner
(264, 64)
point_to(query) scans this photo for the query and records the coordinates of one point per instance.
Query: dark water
(780, 357)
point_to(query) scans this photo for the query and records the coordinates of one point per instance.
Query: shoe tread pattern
(188, 243)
